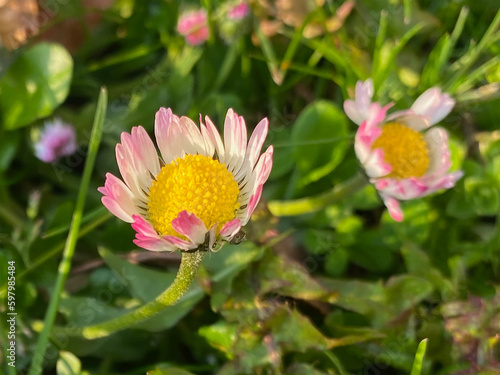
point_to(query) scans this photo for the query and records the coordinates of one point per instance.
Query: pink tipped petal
(143, 227)
(214, 133)
(191, 226)
(252, 204)
(405, 189)
(393, 208)
(154, 244)
(163, 119)
(230, 229)
(447, 181)
(147, 149)
(364, 139)
(356, 115)
(364, 94)
(439, 153)
(375, 165)
(433, 104)
(194, 143)
(118, 194)
(358, 109)
(170, 138)
(128, 172)
(208, 138)
(179, 243)
(116, 209)
(264, 165)
(235, 141)
(377, 114)
(256, 141)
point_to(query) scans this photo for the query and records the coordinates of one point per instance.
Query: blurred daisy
(193, 26)
(199, 193)
(238, 11)
(57, 139)
(404, 158)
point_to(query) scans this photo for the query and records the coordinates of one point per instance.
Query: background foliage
(345, 290)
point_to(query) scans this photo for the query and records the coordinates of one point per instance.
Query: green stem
(69, 249)
(190, 263)
(312, 204)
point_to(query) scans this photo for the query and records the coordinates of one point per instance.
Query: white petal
(439, 153)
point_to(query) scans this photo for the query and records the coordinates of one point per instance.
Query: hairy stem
(190, 263)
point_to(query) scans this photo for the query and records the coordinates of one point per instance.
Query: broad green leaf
(321, 138)
(68, 364)
(224, 265)
(418, 263)
(220, 335)
(404, 291)
(288, 278)
(143, 283)
(35, 84)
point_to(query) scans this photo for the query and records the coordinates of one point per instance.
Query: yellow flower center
(198, 184)
(404, 149)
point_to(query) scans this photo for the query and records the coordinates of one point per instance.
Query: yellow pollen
(198, 184)
(404, 149)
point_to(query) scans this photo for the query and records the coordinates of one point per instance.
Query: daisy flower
(239, 11)
(57, 139)
(194, 27)
(199, 192)
(402, 155)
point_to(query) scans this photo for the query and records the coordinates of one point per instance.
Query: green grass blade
(440, 55)
(379, 42)
(69, 249)
(95, 214)
(271, 59)
(467, 60)
(419, 358)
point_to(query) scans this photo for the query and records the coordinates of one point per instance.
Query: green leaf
(68, 364)
(315, 158)
(289, 278)
(220, 335)
(482, 193)
(35, 84)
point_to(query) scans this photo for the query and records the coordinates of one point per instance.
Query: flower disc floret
(405, 150)
(197, 184)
